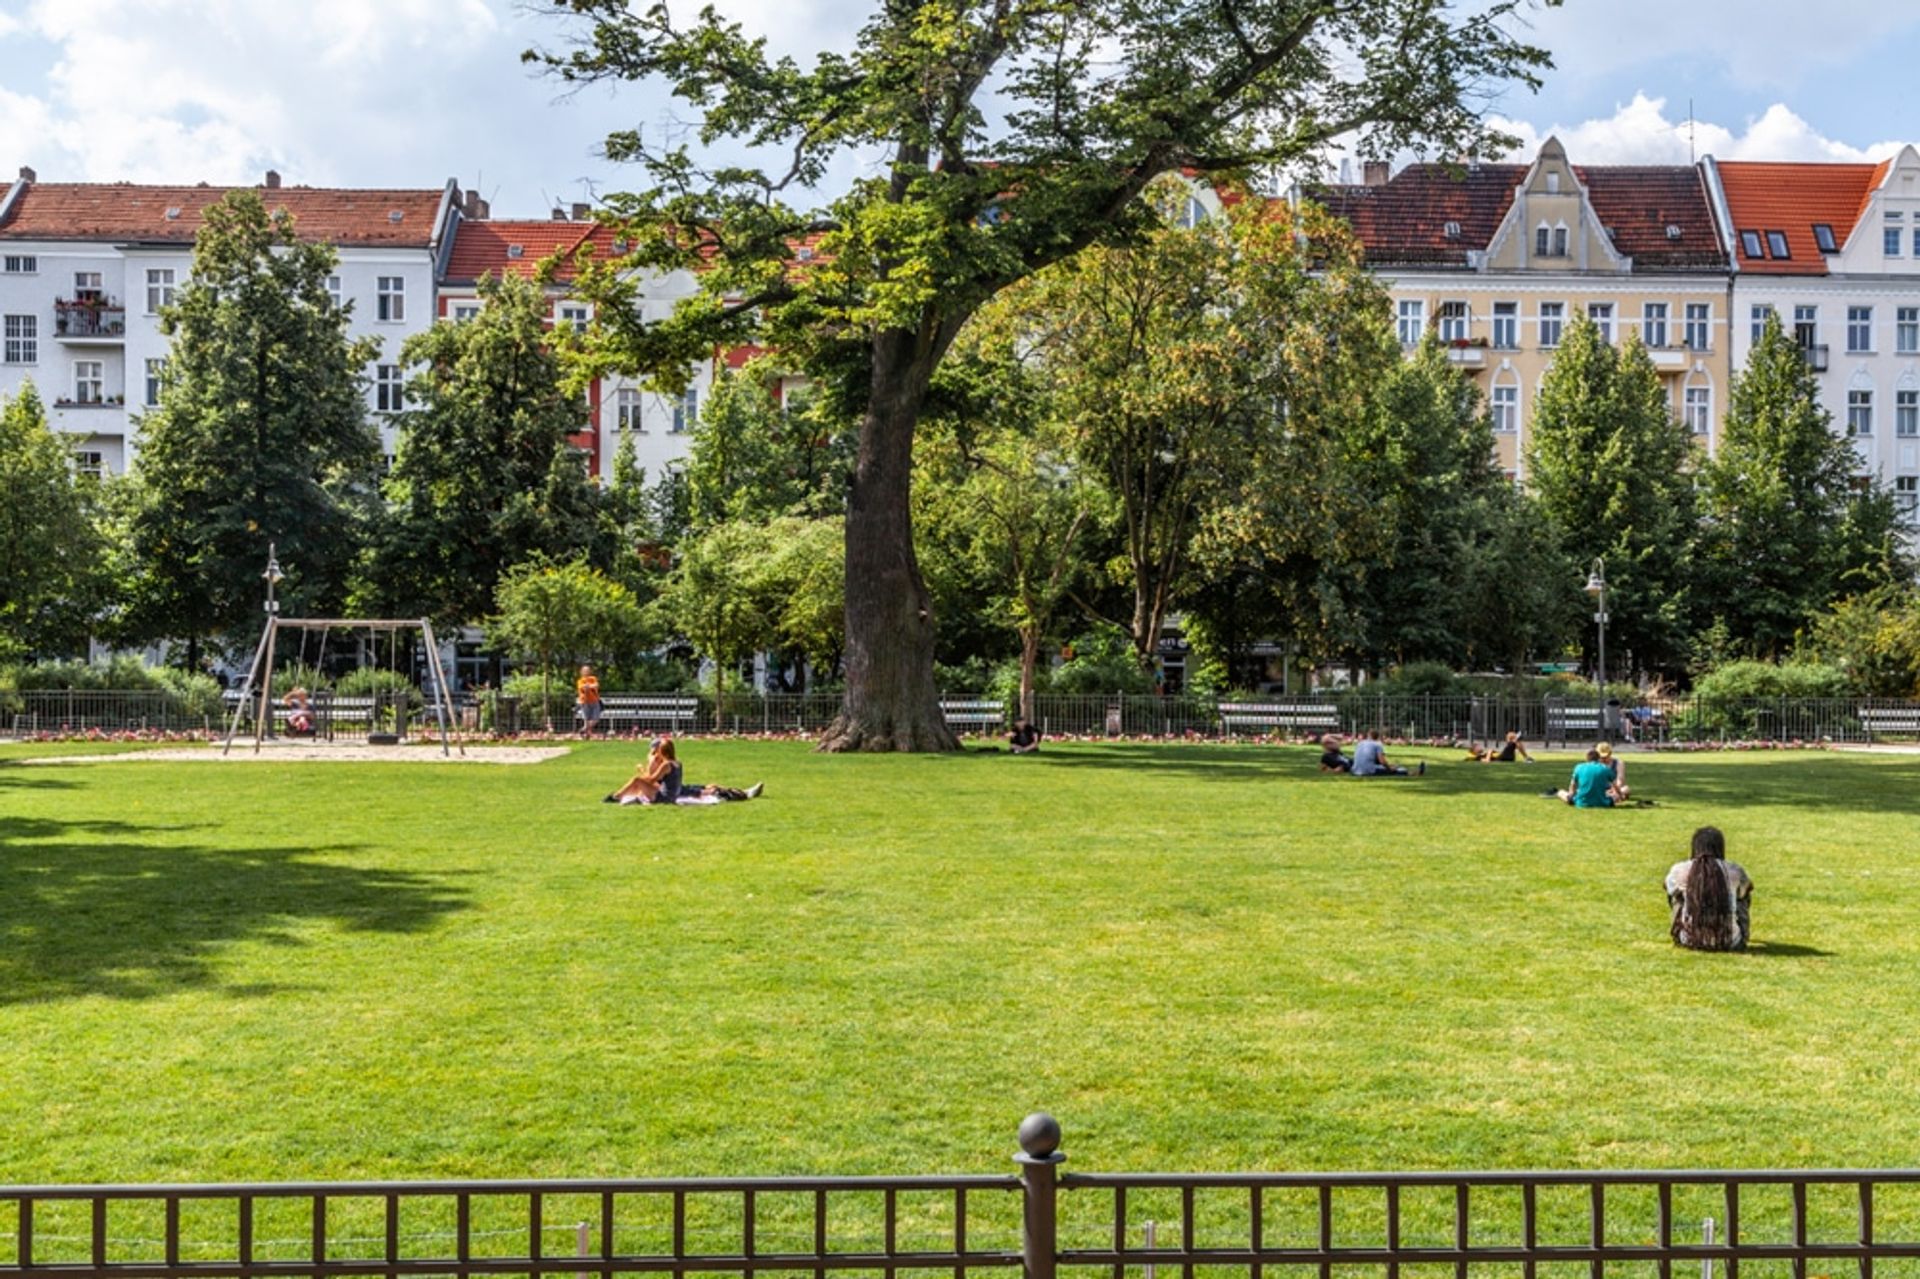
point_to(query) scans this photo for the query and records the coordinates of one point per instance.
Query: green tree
(1613, 472)
(559, 614)
(756, 457)
(484, 476)
(1875, 638)
(53, 554)
(1014, 136)
(713, 600)
(260, 437)
(1775, 501)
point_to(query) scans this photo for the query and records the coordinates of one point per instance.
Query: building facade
(1497, 259)
(85, 268)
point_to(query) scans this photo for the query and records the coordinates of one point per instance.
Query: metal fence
(1446, 718)
(1039, 1222)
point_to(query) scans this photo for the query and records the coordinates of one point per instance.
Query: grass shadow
(1786, 950)
(104, 908)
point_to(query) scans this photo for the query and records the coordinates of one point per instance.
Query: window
(1906, 497)
(1906, 414)
(1699, 333)
(1542, 241)
(1193, 214)
(463, 311)
(1698, 409)
(1453, 321)
(574, 316)
(1916, 242)
(86, 284)
(1601, 313)
(1806, 326)
(1859, 328)
(1859, 412)
(1823, 238)
(89, 462)
(21, 264)
(1553, 183)
(335, 292)
(1506, 409)
(1758, 318)
(626, 408)
(1653, 324)
(1906, 330)
(21, 344)
(89, 382)
(1413, 322)
(159, 289)
(156, 373)
(390, 303)
(1553, 316)
(686, 413)
(389, 392)
(1560, 241)
(1750, 244)
(1506, 325)
(1777, 245)
(1890, 235)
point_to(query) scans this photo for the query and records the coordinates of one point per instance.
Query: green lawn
(1198, 957)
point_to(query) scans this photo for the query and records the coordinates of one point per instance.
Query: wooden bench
(974, 714)
(1236, 717)
(1885, 720)
(634, 709)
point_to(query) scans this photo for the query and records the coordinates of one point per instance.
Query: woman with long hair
(657, 781)
(1709, 896)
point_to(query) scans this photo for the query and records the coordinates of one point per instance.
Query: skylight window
(1823, 238)
(1750, 244)
(1673, 230)
(1777, 244)
(515, 250)
(1452, 230)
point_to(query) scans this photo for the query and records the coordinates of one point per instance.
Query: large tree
(1012, 134)
(52, 553)
(485, 476)
(261, 434)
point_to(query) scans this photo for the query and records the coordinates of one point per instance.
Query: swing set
(256, 694)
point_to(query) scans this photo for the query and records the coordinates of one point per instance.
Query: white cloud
(1644, 131)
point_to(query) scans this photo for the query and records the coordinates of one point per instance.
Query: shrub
(1750, 679)
(1103, 661)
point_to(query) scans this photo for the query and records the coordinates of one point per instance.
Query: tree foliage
(559, 614)
(53, 552)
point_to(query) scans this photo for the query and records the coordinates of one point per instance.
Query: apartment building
(1834, 251)
(1499, 258)
(86, 267)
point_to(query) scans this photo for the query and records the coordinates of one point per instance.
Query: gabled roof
(1404, 222)
(1765, 196)
(126, 212)
(516, 247)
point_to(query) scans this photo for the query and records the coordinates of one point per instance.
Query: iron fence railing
(1038, 1222)
(1664, 720)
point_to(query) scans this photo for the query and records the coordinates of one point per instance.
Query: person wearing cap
(1616, 766)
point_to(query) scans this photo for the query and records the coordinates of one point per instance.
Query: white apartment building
(1834, 251)
(85, 267)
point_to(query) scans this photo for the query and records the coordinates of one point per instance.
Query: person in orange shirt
(586, 700)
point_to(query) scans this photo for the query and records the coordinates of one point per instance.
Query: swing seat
(383, 739)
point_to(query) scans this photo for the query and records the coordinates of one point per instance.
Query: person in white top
(1709, 896)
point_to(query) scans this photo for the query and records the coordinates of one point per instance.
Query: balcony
(89, 320)
(1670, 358)
(1469, 353)
(1816, 356)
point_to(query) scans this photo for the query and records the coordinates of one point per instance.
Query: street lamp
(1597, 587)
(273, 577)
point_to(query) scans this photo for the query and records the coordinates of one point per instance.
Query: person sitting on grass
(1514, 748)
(1025, 738)
(1370, 759)
(299, 711)
(1615, 765)
(1591, 785)
(1331, 758)
(657, 781)
(1709, 896)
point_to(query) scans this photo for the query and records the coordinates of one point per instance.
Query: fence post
(1039, 1154)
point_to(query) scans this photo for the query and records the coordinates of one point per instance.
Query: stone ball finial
(1039, 1134)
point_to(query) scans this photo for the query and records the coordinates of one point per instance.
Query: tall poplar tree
(261, 434)
(1010, 136)
(52, 554)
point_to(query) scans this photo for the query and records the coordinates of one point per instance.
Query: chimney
(1377, 172)
(473, 207)
(559, 214)
(28, 175)
(582, 212)
(273, 180)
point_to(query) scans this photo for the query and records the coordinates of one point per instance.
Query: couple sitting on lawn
(1369, 758)
(1600, 782)
(658, 781)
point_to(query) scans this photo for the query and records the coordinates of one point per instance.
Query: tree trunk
(1029, 660)
(891, 703)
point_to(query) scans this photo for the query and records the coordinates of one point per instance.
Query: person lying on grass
(1709, 896)
(660, 781)
(1370, 759)
(1591, 785)
(1514, 748)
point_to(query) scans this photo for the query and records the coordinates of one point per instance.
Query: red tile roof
(510, 247)
(126, 212)
(1765, 196)
(1404, 222)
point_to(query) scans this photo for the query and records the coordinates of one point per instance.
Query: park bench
(974, 713)
(678, 714)
(1238, 717)
(1885, 721)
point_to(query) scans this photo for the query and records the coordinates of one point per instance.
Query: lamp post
(1597, 587)
(263, 726)
(273, 577)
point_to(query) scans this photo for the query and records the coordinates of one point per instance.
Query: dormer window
(1451, 230)
(1750, 245)
(1777, 245)
(1823, 238)
(1553, 183)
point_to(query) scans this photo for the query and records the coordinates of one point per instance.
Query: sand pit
(285, 752)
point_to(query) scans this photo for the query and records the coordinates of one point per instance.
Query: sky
(410, 93)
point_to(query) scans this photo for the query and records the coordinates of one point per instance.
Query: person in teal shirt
(1592, 784)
